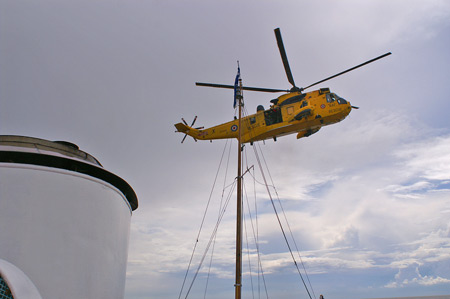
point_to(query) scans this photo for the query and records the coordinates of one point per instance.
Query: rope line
(210, 240)
(256, 234)
(202, 222)
(220, 208)
(279, 222)
(256, 244)
(287, 222)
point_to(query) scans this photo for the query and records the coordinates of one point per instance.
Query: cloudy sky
(367, 199)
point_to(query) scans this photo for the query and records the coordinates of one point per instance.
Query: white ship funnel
(64, 219)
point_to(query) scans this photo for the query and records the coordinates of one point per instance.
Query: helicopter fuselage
(295, 112)
(292, 112)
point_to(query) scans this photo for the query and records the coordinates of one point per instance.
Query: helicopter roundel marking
(234, 128)
(322, 106)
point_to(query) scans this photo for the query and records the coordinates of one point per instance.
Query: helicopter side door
(273, 116)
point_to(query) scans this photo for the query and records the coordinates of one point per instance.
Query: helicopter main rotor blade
(243, 87)
(351, 69)
(284, 57)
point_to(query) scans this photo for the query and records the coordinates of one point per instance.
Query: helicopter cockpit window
(340, 100)
(304, 103)
(330, 97)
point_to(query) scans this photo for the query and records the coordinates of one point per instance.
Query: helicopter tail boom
(193, 132)
(182, 128)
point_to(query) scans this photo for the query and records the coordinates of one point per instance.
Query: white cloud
(429, 159)
(379, 218)
(412, 276)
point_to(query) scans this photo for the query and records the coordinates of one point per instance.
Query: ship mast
(238, 283)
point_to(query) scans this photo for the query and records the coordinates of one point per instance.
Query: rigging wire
(256, 243)
(202, 222)
(211, 239)
(209, 269)
(248, 256)
(287, 222)
(220, 208)
(279, 222)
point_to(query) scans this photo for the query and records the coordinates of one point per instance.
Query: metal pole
(238, 283)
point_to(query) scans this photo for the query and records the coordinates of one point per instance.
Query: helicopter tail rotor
(184, 128)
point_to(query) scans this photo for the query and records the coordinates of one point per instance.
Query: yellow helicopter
(292, 112)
